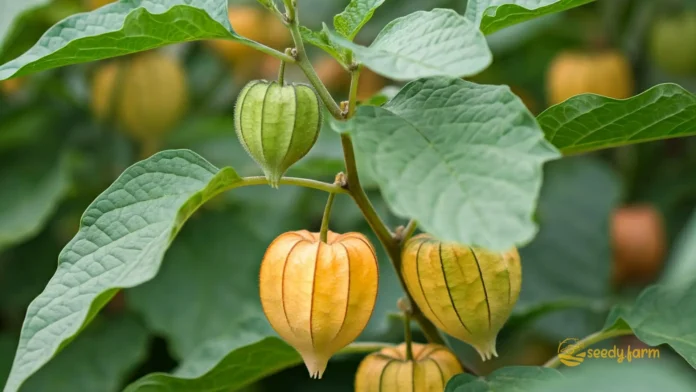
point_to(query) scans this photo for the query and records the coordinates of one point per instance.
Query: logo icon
(571, 352)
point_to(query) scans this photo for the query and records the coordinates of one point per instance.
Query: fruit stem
(589, 341)
(281, 71)
(323, 233)
(303, 182)
(405, 306)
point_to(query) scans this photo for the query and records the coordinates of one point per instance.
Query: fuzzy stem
(323, 233)
(589, 341)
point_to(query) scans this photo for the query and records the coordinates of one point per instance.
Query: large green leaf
(29, 193)
(464, 160)
(248, 359)
(662, 314)
(358, 12)
(211, 274)
(98, 360)
(493, 15)
(571, 256)
(121, 28)
(590, 122)
(123, 236)
(514, 378)
(425, 43)
(597, 376)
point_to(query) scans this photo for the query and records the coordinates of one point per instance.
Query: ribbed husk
(318, 296)
(277, 125)
(147, 93)
(389, 371)
(465, 291)
(605, 73)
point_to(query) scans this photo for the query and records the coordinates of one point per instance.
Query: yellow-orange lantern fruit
(388, 370)
(605, 73)
(467, 292)
(318, 295)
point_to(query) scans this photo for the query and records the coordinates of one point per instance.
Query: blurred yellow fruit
(370, 84)
(639, 244)
(250, 23)
(11, 86)
(331, 73)
(94, 4)
(318, 295)
(388, 370)
(149, 90)
(606, 73)
(673, 43)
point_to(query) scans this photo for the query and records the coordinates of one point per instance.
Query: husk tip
(316, 365)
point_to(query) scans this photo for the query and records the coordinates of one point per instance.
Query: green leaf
(509, 379)
(11, 12)
(248, 361)
(577, 199)
(433, 43)
(598, 375)
(321, 40)
(211, 274)
(122, 28)
(464, 160)
(590, 122)
(98, 360)
(29, 194)
(122, 239)
(358, 12)
(493, 15)
(662, 314)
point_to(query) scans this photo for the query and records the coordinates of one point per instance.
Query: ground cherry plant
(443, 153)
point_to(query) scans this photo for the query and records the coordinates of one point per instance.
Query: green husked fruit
(673, 44)
(277, 124)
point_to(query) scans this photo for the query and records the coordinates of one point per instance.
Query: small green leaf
(576, 202)
(249, 359)
(29, 193)
(433, 43)
(509, 379)
(662, 314)
(123, 236)
(98, 360)
(591, 122)
(321, 40)
(122, 28)
(464, 160)
(358, 12)
(493, 15)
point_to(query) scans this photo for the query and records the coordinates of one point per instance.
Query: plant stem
(305, 65)
(323, 233)
(405, 306)
(303, 182)
(408, 231)
(269, 51)
(589, 341)
(353, 186)
(363, 347)
(353, 97)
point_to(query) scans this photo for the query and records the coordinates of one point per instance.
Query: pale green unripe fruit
(277, 124)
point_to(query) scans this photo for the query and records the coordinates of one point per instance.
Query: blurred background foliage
(611, 222)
